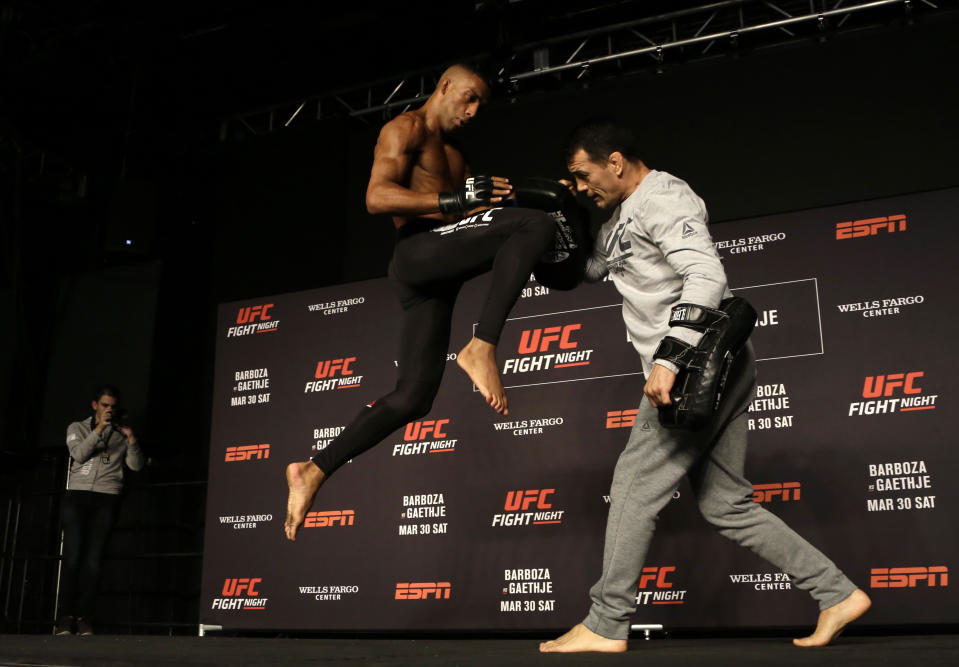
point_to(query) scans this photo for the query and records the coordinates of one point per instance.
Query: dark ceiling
(97, 63)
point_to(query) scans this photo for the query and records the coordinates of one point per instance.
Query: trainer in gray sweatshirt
(657, 249)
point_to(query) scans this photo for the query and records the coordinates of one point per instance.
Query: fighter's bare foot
(580, 640)
(303, 478)
(478, 359)
(835, 618)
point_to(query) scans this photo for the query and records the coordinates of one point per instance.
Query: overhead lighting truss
(703, 31)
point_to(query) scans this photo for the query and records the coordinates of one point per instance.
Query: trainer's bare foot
(478, 359)
(833, 620)
(580, 640)
(303, 478)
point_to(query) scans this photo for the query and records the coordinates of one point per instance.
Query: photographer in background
(99, 448)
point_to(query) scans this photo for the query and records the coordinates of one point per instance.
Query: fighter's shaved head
(464, 74)
(460, 92)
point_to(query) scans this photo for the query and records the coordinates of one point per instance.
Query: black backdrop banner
(466, 520)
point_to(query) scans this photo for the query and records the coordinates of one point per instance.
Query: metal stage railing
(144, 590)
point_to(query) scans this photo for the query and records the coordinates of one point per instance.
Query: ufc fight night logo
(240, 593)
(909, 577)
(540, 340)
(895, 392)
(656, 588)
(422, 429)
(439, 590)
(253, 320)
(416, 434)
(870, 227)
(247, 453)
(547, 348)
(254, 313)
(528, 507)
(334, 374)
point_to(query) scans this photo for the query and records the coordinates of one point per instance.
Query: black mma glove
(477, 191)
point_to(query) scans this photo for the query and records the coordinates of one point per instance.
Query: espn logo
(439, 590)
(909, 577)
(523, 500)
(870, 227)
(420, 430)
(621, 418)
(330, 518)
(254, 313)
(331, 367)
(886, 385)
(241, 587)
(763, 493)
(656, 576)
(540, 340)
(247, 452)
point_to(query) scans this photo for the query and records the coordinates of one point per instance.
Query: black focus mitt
(701, 380)
(562, 266)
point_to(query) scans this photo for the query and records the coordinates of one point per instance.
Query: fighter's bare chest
(439, 161)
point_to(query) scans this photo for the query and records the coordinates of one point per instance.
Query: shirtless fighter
(447, 232)
(657, 250)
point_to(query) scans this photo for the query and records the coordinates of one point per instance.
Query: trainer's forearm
(393, 199)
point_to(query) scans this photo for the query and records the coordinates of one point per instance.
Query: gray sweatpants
(648, 473)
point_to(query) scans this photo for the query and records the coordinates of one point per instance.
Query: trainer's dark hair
(106, 390)
(600, 137)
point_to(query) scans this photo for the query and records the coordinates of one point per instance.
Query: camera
(118, 417)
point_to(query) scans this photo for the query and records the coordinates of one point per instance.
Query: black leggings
(429, 266)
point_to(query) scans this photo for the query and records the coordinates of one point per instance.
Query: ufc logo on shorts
(420, 430)
(254, 313)
(657, 576)
(870, 227)
(241, 587)
(439, 590)
(247, 452)
(886, 385)
(763, 493)
(909, 577)
(330, 518)
(331, 367)
(523, 500)
(621, 418)
(539, 340)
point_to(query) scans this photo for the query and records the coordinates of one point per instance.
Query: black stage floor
(109, 651)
